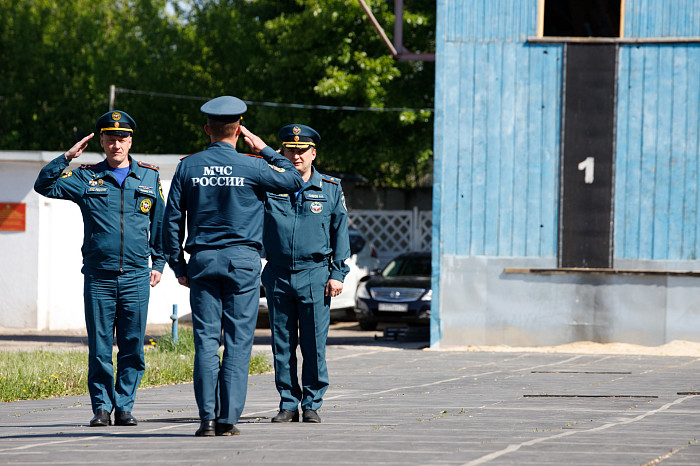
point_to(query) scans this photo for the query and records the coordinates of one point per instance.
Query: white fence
(394, 231)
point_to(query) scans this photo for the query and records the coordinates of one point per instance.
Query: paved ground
(394, 403)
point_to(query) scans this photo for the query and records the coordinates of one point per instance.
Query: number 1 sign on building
(13, 216)
(587, 156)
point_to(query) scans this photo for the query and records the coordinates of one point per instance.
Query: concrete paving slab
(395, 404)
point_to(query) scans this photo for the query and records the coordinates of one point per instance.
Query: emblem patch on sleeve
(342, 199)
(277, 169)
(67, 174)
(145, 205)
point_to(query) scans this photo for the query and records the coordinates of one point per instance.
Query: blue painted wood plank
(508, 150)
(633, 189)
(521, 181)
(548, 230)
(492, 20)
(622, 159)
(664, 77)
(535, 148)
(648, 155)
(492, 147)
(478, 155)
(463, 160)
(692, 206)
(662, 18)
(450, 150)
(677, 150)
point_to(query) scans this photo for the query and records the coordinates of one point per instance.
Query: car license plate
(393, 307)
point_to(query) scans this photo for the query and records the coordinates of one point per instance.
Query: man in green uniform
(122, 205)
(306, 242)
(215, 206)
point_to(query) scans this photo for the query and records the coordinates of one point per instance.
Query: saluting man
(217, 196)
(306, 242)
(122, 205)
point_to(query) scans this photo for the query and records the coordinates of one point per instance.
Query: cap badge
(116, 124)
(296, 138)
(116, 116)
(296, 130)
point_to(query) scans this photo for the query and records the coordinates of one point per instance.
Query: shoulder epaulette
(147, 165)
(330, 179)
(253, 155)
(90, 167)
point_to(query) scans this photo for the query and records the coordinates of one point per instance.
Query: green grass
(29, 375)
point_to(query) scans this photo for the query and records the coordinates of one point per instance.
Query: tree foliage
(166, 58)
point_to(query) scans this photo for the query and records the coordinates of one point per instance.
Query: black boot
(206, 429)
(286, 416)
(100, 419)
(124, 418)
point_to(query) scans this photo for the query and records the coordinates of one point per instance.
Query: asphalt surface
(396, 403)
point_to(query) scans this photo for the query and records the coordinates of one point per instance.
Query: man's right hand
(184, 281)
(75, 151)
(256, 144)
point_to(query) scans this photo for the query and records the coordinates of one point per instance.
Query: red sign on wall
(13, 216)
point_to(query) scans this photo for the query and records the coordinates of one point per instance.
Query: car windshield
(407, 266)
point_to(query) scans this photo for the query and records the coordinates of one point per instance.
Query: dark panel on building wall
(587, 153)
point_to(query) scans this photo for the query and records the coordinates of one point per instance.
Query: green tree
(60, 58)
(326, 52)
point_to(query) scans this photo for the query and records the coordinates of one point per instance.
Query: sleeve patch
(277, 169)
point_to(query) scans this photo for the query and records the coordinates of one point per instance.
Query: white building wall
(481, 304)
(18, 251)
(40, 280)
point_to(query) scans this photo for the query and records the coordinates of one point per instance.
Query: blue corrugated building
(566, 198)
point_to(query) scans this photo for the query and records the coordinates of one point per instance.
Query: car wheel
(368, 325)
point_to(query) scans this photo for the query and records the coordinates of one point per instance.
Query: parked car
(363, 261)
(399, 293)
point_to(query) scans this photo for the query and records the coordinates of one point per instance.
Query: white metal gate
(394, 231)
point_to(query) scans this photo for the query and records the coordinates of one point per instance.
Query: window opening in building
(582, 18)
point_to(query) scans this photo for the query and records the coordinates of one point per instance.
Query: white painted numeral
(587, 166)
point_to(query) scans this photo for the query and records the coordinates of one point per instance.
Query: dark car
(399, 293)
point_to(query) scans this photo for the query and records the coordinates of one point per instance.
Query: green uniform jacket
(122, 225)
(309, 230)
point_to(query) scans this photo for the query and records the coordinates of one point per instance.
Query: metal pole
(379, 29)
(112, 96)
(398, 27)
(173, 317)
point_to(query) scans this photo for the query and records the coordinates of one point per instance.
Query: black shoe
(311, 416)
(226, 429)
(286, 416)
(206, 429)
(124, 418)
(100, 419)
